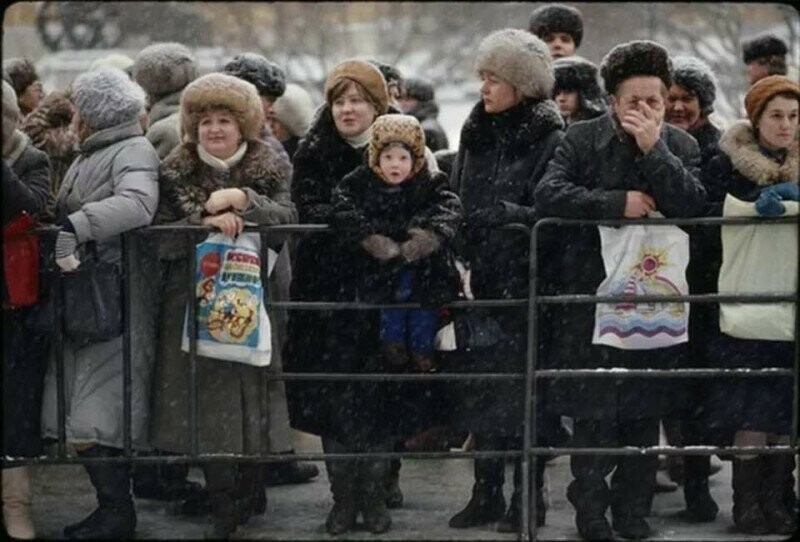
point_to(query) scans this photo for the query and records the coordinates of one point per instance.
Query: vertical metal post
(796, 375)
(61, 414)
(263, 372)
(192, 331)
(126, 344)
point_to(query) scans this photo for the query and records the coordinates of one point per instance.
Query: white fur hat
(107, 97)
(114, 60)
(294, 110)
(10, 112)
(520, 58)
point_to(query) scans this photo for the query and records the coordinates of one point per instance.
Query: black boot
(372, 489)
(591, 499)
(289, 472)
(747, 514)
(510, 522)
(251, 499)
(394, 497)
(342, 475)
(115, 517)
(487, 503)
(700, 507)
(221, 483)
(777, 468)
(163, 482)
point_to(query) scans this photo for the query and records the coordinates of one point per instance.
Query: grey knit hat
(107, 97)
(696, 76)
(11, 115)
(294, 110)
(164, 68)
(268, 78)
(761, 46)
(520, 58)
(557, 18)
(635, 58)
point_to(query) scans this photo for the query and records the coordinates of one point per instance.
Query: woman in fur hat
(110, 188)
(221, 176)
(22, 75)
(506, 142)
(758, 162)
(576, 91)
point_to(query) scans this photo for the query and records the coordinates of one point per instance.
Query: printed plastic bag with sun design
(643, 260)
(232, 323)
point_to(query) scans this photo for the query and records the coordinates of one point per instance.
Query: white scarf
(218, 163)
(360, 140)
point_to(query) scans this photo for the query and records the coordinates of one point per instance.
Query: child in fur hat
(403, 217)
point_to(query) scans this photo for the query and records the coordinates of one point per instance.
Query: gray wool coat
(235, 402)
(110, 188)
(164, 131)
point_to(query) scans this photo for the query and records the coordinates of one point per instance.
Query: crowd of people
(149, 141)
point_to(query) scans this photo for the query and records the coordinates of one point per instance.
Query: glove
(769, 203)
(494, 215)
(787, 190)
(381, 247)
(66, 243)
(422, 244)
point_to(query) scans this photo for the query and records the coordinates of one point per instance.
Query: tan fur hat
(219, 90)
(520, 58)
(763, 91)
(367, 75)
(393, 128)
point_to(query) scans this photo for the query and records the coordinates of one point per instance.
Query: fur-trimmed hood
(739, 143)
(534, 120)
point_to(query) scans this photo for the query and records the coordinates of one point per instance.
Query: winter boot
(394, 497)
(748, 516)
(700, 507)
(342, 475)
(590, 499)
(289, 472)
(510, 522)
(163, 482)
(777, 468)
(225, 515)
(372, 480)
(250, 496)
(487, 503)
(422, 362)
(115, 517)
(395, 356)
(17, 503)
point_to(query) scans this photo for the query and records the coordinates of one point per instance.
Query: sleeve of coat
(134, 174)
(308, 191)
(564, 190)
(347, 214)
(672, 181)
(277, 209)
(444, 210)
(30, 193)
(715, 175)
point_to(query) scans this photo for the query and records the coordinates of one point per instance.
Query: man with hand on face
(559, 26)
(624, 164)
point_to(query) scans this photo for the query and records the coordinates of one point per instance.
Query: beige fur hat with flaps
(397, 128)
(221, 91)
(366, 75)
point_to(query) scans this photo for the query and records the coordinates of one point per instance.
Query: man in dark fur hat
(576, 92)
(559, 26)
(764, 55)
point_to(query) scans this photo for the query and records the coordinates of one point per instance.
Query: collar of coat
(537, 119)
(260, 167)
(165, 107)
(109, 136)
(740, 144)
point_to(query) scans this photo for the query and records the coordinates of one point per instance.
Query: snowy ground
(434, 490)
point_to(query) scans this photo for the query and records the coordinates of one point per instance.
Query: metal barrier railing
(529, 449)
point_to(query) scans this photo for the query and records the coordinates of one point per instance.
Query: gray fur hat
(420, 89)
(520, 58)
(107, 97)
(696, 76)
(11, 114)
(761, 46)
(294, 110)
(557, 18)
(164, 68)
(268, 78)
(635, 58)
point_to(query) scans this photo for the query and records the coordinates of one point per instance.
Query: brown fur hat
(367, 75)
(21, 73)
(219, 90)
(763, 91)
(397, 128)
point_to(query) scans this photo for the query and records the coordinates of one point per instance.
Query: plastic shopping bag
(758, 259)
(232, 323)
(643, 260)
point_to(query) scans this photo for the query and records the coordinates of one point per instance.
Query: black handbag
(92, 297)
(477, 328)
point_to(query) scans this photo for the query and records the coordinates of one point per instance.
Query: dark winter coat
(435, 136)
(290, 145)
(233, 408)
(501, 159)
(707, 137)
(164, 130)
(364, 204)
(589, 176)
(742, 169)
(25, 188)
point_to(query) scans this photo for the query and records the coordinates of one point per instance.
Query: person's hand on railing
(229, 223)
(422, 244)
(486, 217)
(638, 204)
(66, 245)
(381, 247)
(224, 199)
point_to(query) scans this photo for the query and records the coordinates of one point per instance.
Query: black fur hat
(419, 89)
(762, 46)
(390, 73)
(20, 73)
(557, 18)
(268, 78)
(696, 76)
(575, 73)
(641, 57)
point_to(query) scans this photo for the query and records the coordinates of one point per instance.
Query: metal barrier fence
(528, 529)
